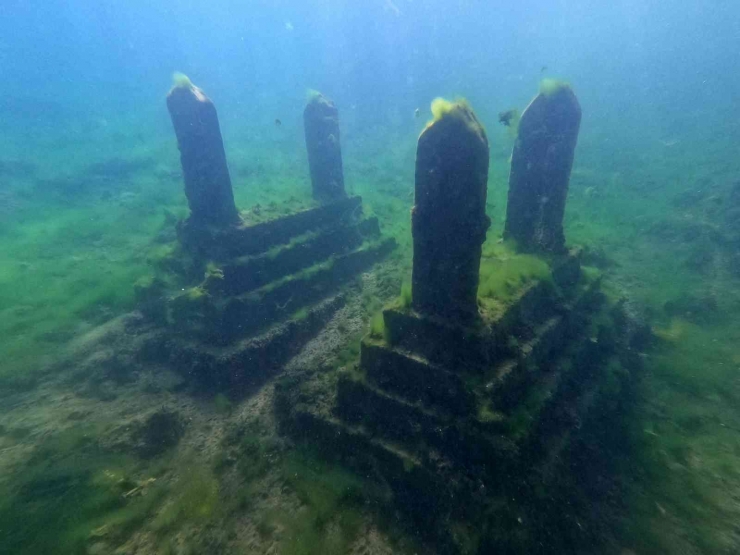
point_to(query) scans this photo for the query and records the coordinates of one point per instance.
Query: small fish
(504, 118)
(417, 113)
(543, 69)
(278, 123)
(289, 26)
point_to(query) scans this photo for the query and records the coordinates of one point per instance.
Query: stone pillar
(207, 181)
(321, 124)
(449, 221)
(540, 169)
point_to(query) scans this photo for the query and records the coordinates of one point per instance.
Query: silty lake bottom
(381, 344)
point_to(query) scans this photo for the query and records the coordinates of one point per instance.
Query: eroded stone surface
(206, 174)
(540, 171)
(321, 124)
(449, 221)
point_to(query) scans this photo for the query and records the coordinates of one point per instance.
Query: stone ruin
(238, 300)
(202, 156)
(484, 420)
(449, 221)
(321, 125)
(540, 170)
(475, 420)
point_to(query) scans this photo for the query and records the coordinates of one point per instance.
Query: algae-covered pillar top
(540, 169)
(321, 126)
(449, 221)
(206, 174)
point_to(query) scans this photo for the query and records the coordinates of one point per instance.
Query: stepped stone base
(243, 365)
(245, 239)
(470, 426)
(268, 288)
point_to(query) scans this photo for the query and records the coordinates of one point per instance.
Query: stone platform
(268, 288)
(470, 424)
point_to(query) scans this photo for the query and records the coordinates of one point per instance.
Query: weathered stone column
(449, 221)
(321, 125)
(207, 181)
(540, 169)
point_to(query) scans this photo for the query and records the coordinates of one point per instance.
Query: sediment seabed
(117, 454)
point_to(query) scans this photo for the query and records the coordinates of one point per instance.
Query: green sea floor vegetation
(77, 232)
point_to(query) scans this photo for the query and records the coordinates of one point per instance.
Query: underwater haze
(106, 451)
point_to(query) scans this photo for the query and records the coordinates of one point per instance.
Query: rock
(449, 221)
(207, 180)
(321, 126)
(540, 170)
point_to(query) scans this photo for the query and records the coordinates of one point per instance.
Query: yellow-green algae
(460, 109)
(503, 271)
(181, 81)
(549, 86)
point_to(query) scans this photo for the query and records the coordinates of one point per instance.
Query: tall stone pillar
(207, 181)
(321, 125)
(449, 221)
(540, 169)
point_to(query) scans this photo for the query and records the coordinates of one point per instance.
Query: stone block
(415, 379)
(540, 170)
(449, 221)
(206, 174)
(321, 126)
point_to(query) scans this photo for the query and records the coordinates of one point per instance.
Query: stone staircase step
(469, 442)
(509, 383)
(456, 347)
(245, 365)
(472, 349)
(414, 378)
(248, 273)
(247, 314)
(245, 240)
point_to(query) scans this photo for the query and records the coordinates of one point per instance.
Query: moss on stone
(504, 272)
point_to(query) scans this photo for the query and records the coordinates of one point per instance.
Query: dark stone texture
(247, 274)
(207, 181)
(250, 313)
(207, 315)
(540, 171)
(321, 125)
(456, 347)
(248, 240)
(418, 428)
(244, 366)
(449, 221)
(487, 421)
(415, 379)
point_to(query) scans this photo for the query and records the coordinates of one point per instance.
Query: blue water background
(649, 70)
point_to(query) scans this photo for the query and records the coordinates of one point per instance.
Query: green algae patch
(404, 299)
(460, 110)
(181, 81)
(549, 86)
(196, 500)
(503, 272)
(377, 326)
(330, 516)
(72, 493)
(685, 439)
